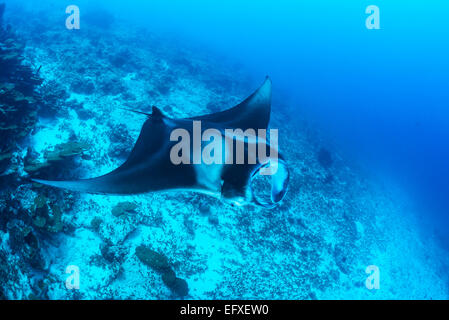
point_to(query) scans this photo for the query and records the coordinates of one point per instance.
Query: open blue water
(381, 95)
(377, 100)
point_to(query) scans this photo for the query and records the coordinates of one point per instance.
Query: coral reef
(333, 223)
(121, 142)
(23, 240)
(59, 159)
(28, 227)
(46, 215)
(18, 95)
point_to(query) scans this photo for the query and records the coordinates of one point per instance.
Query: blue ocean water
(380, 94)
(374, 101)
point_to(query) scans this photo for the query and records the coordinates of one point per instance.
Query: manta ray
(150, 167)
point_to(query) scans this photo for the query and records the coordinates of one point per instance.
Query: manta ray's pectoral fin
(156, 113)
(148, 167)
(252, 113)
(89, 185)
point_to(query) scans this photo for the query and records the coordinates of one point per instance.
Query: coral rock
(156, 261)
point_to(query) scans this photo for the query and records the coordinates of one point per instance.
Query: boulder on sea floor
(95, 223)
(177, 285)
(325, 158)
(124, 208)
(159, 263)
(156, 261)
